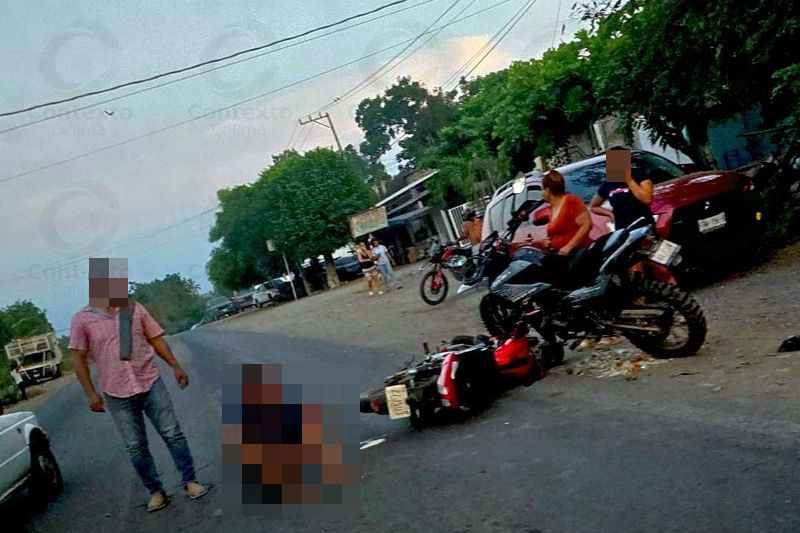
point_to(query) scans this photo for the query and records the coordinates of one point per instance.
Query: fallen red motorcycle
(457, 379)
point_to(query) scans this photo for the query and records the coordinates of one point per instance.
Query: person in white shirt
(384, 261)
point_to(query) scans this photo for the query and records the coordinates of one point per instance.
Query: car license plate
(396, 401)
(665, 252)
(716, 222)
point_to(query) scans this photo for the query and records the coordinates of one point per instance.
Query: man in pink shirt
(123, 341)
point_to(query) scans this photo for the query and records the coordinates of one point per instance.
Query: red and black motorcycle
(458, 378)
(451, 256)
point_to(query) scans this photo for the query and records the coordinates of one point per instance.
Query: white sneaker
(380, 292)
(371, 293)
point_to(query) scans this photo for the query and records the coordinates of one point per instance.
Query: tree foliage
(301, 202)
(175, 302)
(406, 111)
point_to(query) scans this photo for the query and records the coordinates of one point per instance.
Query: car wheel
(46, 480)
(58, 371)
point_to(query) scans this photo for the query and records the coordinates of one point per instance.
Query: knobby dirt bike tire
(683, 303)
(442, 294)
(492, 309)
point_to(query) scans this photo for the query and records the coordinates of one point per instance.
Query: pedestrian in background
(367, 262)
(18, 380)
(384, 262)
(472, 229)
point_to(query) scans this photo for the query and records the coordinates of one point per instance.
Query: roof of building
(406, 188)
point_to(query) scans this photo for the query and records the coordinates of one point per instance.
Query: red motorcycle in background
(458, 378)
(449, 256)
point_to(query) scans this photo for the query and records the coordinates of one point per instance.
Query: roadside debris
(607, 364)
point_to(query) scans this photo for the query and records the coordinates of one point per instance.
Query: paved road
(568, 454)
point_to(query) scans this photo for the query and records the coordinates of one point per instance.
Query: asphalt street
(567, 454)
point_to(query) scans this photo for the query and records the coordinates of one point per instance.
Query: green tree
(24, 319)
(175, 302)
(309, 200)
(680, 66)
(301, 202)
(407, 111)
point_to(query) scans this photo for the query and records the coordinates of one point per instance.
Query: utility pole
(316, 118)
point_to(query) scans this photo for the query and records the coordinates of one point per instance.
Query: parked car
(284, 289)
(26, 459)
(244, 299)
(220, 307)
(264, 294)
(348, 268)
(713, 215)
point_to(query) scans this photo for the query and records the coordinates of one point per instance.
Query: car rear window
(499, 213)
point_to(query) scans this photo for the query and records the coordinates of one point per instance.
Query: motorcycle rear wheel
(435, 297)
(685, 308)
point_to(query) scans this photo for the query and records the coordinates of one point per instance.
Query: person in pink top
(123, 340)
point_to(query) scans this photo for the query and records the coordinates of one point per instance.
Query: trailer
(39, 357)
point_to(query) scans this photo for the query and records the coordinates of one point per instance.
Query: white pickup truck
(25, 458)
(39, 356)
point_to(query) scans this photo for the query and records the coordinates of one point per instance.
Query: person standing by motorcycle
(570, 223)
(472, 229)
(630, 194)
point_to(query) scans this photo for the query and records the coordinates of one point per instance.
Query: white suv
(264, 295)
(26, 458)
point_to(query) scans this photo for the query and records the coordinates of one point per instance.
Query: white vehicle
(25, 457)
(39, 356)
(264, 294)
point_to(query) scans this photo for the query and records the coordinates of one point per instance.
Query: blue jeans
(155, 403)
(387, 272)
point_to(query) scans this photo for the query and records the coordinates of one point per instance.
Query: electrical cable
(226, 108)
(379, 72)
(197, 74)
(204, 63)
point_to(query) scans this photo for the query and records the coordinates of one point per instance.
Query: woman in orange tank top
(570, 223)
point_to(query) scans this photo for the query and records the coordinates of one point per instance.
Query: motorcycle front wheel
(433, 295)
(498, 314)
(684, 330)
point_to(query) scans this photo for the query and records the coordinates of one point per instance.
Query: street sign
(368, 221)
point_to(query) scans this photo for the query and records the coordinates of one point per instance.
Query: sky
(152, 200)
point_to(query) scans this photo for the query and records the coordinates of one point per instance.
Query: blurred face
(547, 195)
(108, 282)
(618, 165)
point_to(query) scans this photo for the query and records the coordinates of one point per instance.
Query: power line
(379, 72)
(204, 63)
(213, 69)
(229, 107)
(57, 265)
(457, 75)
(523, 12)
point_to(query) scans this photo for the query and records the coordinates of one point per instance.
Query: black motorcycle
(592, 294)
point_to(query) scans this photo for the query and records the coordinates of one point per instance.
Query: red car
(713, 215)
